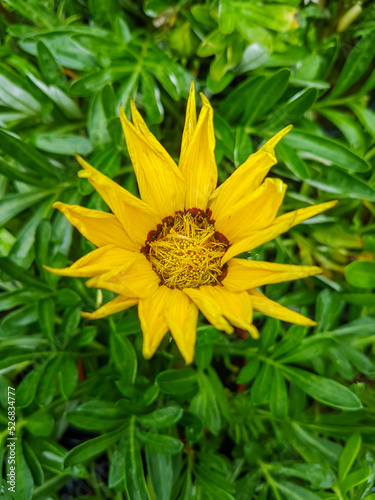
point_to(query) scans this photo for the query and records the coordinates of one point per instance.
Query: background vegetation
(287, 417)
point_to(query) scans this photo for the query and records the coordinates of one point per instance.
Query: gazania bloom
(173, 251)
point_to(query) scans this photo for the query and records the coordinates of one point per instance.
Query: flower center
(185, 251)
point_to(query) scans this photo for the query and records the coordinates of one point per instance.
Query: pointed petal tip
(254, 332)
(83, 174)
(147, 351)
(205, 102)
(87, 315)
(332, 203)
(58, 205)
(123, 118)
(315, 270)
(272, 143)
(53, 270)
(192, 87)
(84, 164)
(93, 282)
(287, 129)
(134, 110)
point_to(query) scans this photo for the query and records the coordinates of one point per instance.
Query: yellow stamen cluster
(186, 251)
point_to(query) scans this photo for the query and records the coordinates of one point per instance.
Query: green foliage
(288, 416)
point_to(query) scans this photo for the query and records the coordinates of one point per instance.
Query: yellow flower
(172, 251)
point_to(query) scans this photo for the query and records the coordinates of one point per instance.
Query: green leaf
(71, 320)
(34, 464)
(272, 16)
(355, 478)
(294, 492)
(47, 384)
(17, 273)
(151, 98)
(219, 392)
(278, 397)
(68, 298)
(260, 390)
(328, 309)
(46, 312)
(123, 356)
(249, 371)
(213, 44)
(160, 469)
(349, 455)
(356, 64)
(160, 443)
(15, 94)
(116, 474)
(334, 180)
(94, 82)
(135, 484)
(176, 382)
(158, 419)
(26, 154)
(92, 448)
(20, 175)
(361, 326)
(243, 146)
(361, 274)
(308, 349)
(24, 481)
(67, 52)
(328, 392)
(269, 334)
(351, 129)
(13, 204)
(269, 93)
(63, 144)
(233, 107)
(293, 110)
(193, 426)
(49, 67)
(27, 388)
(40, 423)
(326, 150)
(292, 160)
(68, 377)
(96, 415)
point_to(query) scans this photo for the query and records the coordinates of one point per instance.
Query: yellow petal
(152, 318)
(101, 228)
(181, 315)
(255, 211)
(98, 261)
(245, 274)
(160, 182)
(279, 226)
(116, 305)
(247, 177)
(219, 305)
(267, 306)
(137, 218)
(190, 120)
(197, 161)
(133, 279)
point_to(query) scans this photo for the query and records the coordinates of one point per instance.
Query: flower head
(173, 251)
